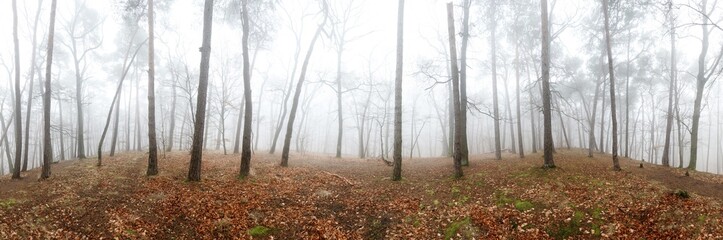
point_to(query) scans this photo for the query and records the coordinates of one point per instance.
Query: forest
(361, 119)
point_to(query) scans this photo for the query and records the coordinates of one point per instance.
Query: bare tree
(152, 145)
(194, 169)
(549, 162)
(47, 148)
(463, 83)
(611, 66)
(299, 85)
(248, 113)
(705, 72)
(18, 114)
(397, 155)
(673, 77)
(83, 38)
(33, 70)
(456, 92)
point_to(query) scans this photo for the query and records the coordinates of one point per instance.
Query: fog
(111, 36)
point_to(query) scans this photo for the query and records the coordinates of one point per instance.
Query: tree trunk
(495, 101)
(340, 117)
(517, 96)
(47, 148)
(60, 111)
(172, 124)
(463, 83)
(114, 137)
(152, 145)
(258, 116)
(297, 93)
(127, 63)
(701, 80)
(548, 148)
(397, 155)
(248, 114)
(33, 70)
(18, 115)
(194, 169)
(456, 92)
(509, 116)
(614, 120)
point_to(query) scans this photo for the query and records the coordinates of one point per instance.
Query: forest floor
(319, 197)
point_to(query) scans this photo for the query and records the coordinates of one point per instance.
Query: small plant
(453, 228)
(259, 231)
(7, 203)
(681, 194)
(523, 205)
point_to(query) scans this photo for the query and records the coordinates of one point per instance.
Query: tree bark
(194, 169)
(613, 113)
(397, 155)
(493, 60)
(47, 148)
(33, 69)
(297, 93)
(463, 83)
(548, 147)
(172, 124)
(456, 92)
(18, 114)
(114, 137)
(152, 145)
(519, 109)
(248, 114)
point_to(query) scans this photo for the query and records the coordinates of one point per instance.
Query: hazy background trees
(665, 66)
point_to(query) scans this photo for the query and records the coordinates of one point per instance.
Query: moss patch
(259, 231)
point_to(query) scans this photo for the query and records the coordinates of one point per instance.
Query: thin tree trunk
(456, 86)
(60, 110)
(18, 114)
(616, 163)
(33, 70)
(47, 148)
(517, 96)
(194, 169)
(464, 146)
(114, 137)
(493, 60)
(152, 144)
(546, 106)
(509, 117)
(172, 124)
(248, 114)
(397, 155)
(297, 93)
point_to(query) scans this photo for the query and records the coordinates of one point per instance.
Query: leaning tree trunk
(548, 147)
(127, 63)
(248, 114)
(194, 169)
(614, 120)
(114, 137)
(47, 149)
(18, 115)
(397, 155)
(701, 81)
(456, 92)
(297, 93)
(33, 69)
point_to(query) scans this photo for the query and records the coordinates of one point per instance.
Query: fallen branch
(340, 177)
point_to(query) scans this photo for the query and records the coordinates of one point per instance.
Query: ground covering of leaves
(320, 197)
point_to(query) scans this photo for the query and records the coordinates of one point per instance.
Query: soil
(321, 197)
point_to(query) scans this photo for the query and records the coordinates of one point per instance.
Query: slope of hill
(322, 197)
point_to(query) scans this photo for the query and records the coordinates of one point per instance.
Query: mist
(349, 84)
